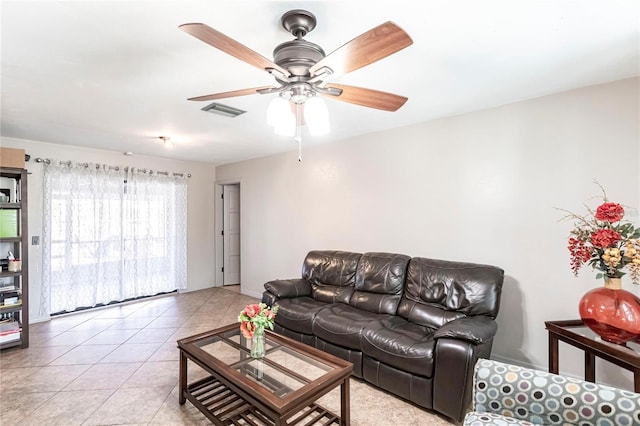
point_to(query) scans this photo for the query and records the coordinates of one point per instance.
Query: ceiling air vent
(226, 110)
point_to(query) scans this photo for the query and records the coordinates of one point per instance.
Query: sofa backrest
(380, 279)
(331, 274)
(439, 291)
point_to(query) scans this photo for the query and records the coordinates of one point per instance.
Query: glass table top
(631, 348)
(283, 370)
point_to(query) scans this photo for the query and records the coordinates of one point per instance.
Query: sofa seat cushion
(298, 314)
(402, 344)
(342, 324)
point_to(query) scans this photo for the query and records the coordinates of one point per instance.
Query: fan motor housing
(297, 56)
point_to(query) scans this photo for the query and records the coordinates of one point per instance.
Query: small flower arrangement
(605, 242)
(255, 318)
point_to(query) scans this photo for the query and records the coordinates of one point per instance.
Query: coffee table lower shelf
(224, 407)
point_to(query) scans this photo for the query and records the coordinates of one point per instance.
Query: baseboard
(35, 320)
(251, 293)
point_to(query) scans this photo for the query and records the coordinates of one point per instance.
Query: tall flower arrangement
(603, 240)
(255, 318)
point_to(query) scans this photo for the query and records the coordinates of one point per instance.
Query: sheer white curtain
(110, 235)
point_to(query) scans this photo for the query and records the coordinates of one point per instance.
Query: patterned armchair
(509, 395)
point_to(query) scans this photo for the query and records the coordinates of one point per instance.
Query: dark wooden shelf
(11, 206)
(10, 308)
(10, 239)
(20, 248)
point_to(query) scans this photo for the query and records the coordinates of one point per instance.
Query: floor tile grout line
(192, 308)
(161, 405)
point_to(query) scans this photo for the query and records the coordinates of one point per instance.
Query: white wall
(478, 187)
(200, 221)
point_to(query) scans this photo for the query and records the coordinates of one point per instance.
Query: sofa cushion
(379, 282)
(298, 314)
(401, 344)
(331, 274)
(439, 291)
(342, 324)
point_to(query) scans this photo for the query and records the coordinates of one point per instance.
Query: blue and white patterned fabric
(505, 394)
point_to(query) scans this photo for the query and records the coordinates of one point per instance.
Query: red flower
(610, 212)
(247, 328)
(269, 314)
(580, 254)
(252, 310)
(605, 238)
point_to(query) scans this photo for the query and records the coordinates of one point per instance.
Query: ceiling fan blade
(231, 94)
(377, 43)
(228, 45)
(368, 97)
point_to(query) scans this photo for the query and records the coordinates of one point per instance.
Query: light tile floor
(119, 365)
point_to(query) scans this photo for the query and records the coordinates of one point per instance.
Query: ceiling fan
(303, 71)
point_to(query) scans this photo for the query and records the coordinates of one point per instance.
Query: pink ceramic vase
(611, 312)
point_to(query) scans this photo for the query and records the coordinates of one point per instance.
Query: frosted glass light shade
(316, 115)
(286, 124)
(278, 108)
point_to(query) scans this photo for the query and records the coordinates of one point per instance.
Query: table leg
(636, 381)
(589, 367)
(345, 402)
(183, 378)
(553, 353)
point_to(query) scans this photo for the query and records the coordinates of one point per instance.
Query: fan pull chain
(298, 136)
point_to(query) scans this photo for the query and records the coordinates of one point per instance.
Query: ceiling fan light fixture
(278, 107)
(316, 115)
(285, 124)
(302, 71)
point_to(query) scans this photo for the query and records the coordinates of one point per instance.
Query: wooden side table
(575, 333)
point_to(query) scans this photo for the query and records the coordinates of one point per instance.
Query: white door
(231, 234)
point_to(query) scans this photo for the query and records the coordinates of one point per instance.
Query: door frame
(218, 207)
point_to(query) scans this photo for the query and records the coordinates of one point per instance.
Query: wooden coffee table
(280, 389)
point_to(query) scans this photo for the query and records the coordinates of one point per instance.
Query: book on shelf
(12, 298)
(9, 326)
(11, 287)
(9, 223)
(9, 336)
(8, 303)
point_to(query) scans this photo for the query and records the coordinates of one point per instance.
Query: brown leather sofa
(412, 326)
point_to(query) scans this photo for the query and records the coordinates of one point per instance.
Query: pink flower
(252, 310)
(610, 212)
(247, 328)
(256, 317)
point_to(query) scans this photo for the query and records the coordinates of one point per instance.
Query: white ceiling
(116, 74)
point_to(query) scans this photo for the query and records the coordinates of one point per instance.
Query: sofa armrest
(284, 289)
(474, 418)
(477, 330)
(575, 401)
